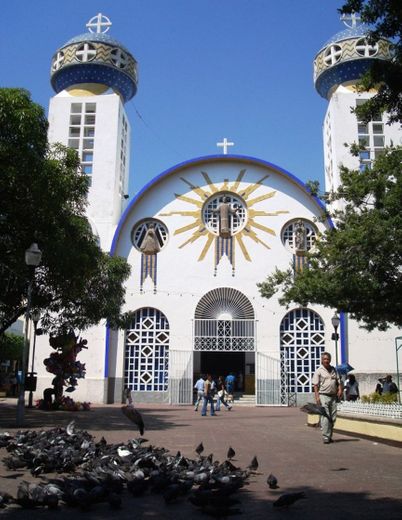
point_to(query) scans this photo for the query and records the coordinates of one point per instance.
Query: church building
(201, 235)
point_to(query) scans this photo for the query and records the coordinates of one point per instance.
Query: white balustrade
(392, 410)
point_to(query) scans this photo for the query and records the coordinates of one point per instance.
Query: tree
(11, 346)
(356, 267)
(43, 199)
(385, 16)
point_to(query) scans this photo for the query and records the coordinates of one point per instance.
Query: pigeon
(231, 453)
(71, 428)
(133, 414)
(199, 449)
(315, 409)
(253, 466)
(272, 481)
(288, 499)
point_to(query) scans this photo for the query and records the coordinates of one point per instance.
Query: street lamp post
(33, 256)
(35, 316)
(335, 336)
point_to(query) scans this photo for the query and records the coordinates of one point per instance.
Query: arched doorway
(302, 342)
(146, 356)
(224, 336)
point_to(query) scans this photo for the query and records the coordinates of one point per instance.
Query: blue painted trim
(192, 162)
(342, 317)
(107, 347)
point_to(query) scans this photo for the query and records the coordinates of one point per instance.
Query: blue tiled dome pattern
(95, 37)
(94, 73)
(349, 64)
(102, 66)
(342, 73)
(351, 32)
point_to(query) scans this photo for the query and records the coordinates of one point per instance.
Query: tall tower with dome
(93, 76)
(337, 68)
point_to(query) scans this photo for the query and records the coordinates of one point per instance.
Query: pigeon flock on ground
(90, 472)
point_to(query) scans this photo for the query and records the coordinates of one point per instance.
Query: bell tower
(93, 76)
(339, 64)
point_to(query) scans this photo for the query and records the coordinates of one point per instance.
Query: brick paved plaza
(351, 478)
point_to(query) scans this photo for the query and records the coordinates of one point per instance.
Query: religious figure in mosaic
(225, 211)
(150, 245)
(300, 236)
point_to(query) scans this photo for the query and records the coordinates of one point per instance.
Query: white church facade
(199, 238)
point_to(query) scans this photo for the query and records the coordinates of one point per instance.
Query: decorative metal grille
(139, 231)
(147, 352)
(301, 344)
(288, 235)
(224, 335)
(211, 217)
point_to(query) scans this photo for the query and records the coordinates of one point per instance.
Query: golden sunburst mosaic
(240, 216)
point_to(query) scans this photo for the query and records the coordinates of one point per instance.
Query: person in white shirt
(199, 386)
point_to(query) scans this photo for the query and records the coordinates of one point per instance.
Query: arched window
(139, 232)
(289, 232)
(301, 342)
(147, 352)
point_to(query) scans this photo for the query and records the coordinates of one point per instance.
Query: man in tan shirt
(327, 389)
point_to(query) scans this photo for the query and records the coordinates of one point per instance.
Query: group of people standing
(208, 388)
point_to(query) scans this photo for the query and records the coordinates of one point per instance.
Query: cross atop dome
(100, 22)
(351, 20)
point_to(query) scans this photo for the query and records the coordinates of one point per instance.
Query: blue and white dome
(345, 57)
(95, 58)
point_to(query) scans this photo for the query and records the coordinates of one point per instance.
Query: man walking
(208, 397)
(199, 386)
(327, 389)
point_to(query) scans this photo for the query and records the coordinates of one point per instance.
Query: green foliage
(375, 398)
(356, 267)
(11, 346)
(385, 18)
(43, 199)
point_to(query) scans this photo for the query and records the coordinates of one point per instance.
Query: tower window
(378, 128)
(89, 131)
(85, 52)
(76, 108)
(379, 141)
(362, 129)
(90, 108)
(88, 144)
(90, 120)
(363, 48)
(75, 120)
(332, 55)
(75, 131)
(74, 143)
(87, 156)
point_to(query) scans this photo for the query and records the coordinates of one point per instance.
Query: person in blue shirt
(230, 382)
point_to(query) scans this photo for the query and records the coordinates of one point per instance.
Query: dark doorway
(222, 363)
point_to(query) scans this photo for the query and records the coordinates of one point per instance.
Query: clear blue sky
(208, 69)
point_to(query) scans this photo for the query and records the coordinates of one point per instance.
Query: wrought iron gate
(181, 377)
(268, 380)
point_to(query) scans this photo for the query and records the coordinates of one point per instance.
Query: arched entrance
(224, 336)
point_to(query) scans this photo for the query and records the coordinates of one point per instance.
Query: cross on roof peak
(100, 22)
(225, 144)
(351, 20)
